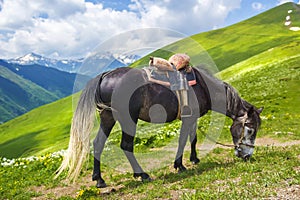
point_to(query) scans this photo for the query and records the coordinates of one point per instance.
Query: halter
(243, 122)
(240, 142)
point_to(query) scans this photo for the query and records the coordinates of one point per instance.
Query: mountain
(127, 59)
(110, 60)
(100, 62)
(58, 82)
(259, 57)
(67, 65)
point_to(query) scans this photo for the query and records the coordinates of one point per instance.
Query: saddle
(162, 77)
(176, 74)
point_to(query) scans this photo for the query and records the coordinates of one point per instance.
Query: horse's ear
(260, 110)
(250, 111)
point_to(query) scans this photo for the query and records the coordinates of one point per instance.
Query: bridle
(240, 142)
(242, 121)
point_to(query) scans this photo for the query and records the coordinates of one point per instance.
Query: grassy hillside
(18, 95)
(41, 130)
(233, 44)
(266, 77)
(272, 79)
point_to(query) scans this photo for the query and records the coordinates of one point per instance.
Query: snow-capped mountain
(107, 60)
(127, 59)
(99, 62)
(67, 65)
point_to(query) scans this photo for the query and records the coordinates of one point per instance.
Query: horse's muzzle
(246, 157)
(244, 152)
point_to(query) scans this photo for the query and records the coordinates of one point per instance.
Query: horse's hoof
(95, 177)
(195, 161)
(181, 169)
(101, 184)
(145, 180)
(144, 176)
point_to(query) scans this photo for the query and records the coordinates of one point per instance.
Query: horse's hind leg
(127, 144)
(106, 124)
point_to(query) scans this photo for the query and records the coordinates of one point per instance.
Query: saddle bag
(180, 60)
(161, 64)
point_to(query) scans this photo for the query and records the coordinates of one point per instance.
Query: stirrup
(186, 111)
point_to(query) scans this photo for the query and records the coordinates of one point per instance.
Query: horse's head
(243, 131)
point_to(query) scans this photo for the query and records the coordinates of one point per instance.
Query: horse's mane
(234, 102)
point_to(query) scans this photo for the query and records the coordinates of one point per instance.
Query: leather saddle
(162, 77)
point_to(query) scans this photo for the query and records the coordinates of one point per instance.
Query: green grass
(272, 79)
(219, 175)
(13, 95)
(41, 130)
(264, 80)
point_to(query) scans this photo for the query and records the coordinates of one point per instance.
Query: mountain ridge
(70, 65)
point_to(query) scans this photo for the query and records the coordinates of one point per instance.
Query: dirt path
(68, 190)
(265, 141)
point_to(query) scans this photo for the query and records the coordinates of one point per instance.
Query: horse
(126, 95)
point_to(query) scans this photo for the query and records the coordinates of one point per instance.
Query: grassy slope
(47, 127)
(20, 94)
(233, 44)
(43, 129)
(272, 79)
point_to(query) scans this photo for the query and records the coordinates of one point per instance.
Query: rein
(240, 142)
(228, 145)
(219, 143)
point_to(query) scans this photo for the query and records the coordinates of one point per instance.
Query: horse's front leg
(193, 140)
(188, 124)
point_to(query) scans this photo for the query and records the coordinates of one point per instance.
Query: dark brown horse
(126, 95)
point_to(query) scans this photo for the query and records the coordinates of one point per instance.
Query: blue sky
(72, 28)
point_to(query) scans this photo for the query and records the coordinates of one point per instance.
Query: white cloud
(257, 6)
(72, 28)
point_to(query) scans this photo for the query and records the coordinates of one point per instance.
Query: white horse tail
(82, 125)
